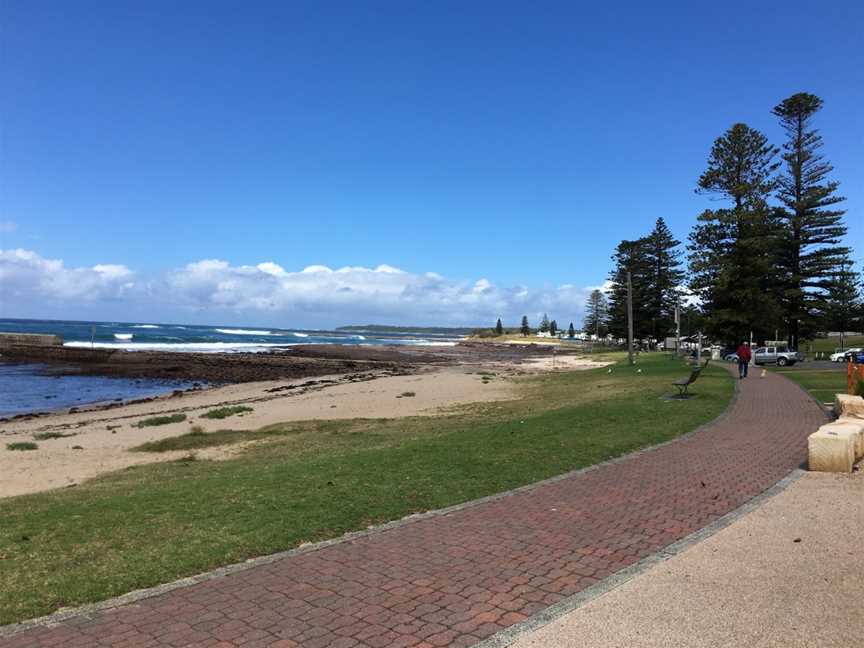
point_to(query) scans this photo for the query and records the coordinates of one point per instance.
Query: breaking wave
(196, 347)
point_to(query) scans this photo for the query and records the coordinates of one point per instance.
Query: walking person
(744, 356)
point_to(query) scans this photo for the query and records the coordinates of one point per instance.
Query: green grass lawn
(829, 345)
(823, 384)
(309, 481)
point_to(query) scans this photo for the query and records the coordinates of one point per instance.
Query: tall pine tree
(596, 311)
(632, 257)
(655, 269)
(544, 323)
(732, 252)
(665, 278)
(811, 256)
(843, 306)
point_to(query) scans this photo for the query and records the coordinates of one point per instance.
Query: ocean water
(30, 388)
(154, 336)
(26, 388)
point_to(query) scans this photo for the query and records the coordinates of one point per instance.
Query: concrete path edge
(571, 603)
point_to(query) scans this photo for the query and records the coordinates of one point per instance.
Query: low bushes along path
(458, 577)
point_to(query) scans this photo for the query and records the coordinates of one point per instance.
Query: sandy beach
(100, 437)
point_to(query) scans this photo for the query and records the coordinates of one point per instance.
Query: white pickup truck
(782, 356)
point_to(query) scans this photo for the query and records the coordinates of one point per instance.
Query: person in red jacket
(744, 356)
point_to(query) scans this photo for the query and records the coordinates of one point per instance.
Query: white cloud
(26, 275)
(313, 296)
(356, 293)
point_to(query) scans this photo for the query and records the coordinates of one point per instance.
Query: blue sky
(511, 143)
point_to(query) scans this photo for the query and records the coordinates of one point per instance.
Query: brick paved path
(455, 579)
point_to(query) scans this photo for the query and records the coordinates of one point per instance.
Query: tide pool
(27, 388)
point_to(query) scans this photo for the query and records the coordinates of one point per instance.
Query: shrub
(44, 436)
(161, 420)
(485, 333)
(225, 412)
(21, 445)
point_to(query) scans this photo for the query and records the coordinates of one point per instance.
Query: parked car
(782, 356)
(731, 357)
(843, 355)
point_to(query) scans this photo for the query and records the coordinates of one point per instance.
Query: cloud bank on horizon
(316, 296)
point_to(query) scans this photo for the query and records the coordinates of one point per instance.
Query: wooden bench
(683, 383)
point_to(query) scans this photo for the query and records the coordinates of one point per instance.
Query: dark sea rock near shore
(282, 363)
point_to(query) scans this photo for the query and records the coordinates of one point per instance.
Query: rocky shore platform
(289, 362)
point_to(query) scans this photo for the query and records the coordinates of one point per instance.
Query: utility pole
(678, 326)
(629, 318)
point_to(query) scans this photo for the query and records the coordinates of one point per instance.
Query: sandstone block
(853, 425)
(848, 405)
(831, 451)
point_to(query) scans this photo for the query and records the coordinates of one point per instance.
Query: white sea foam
(149, 326)
(243, 332)
(359, 337)
(300, 335)
(123, 336)
(194, 347)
